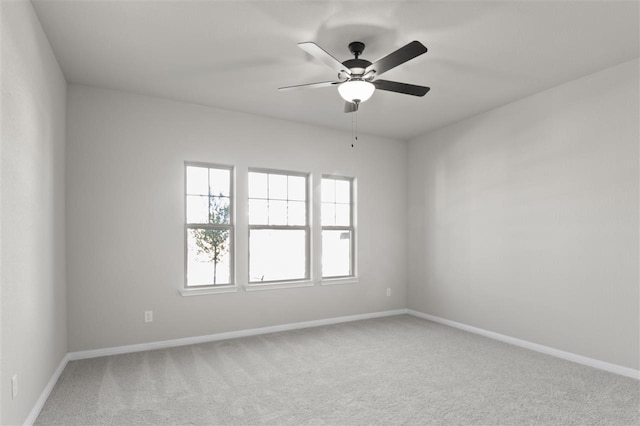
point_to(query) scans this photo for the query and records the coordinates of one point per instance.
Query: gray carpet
(397, 370)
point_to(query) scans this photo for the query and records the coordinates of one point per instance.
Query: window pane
(258, 212)
(328, 190)
(219, 210)
(277, 255)
(297, 188)
(277, 212)
(219, 182)
(336, 253)
(208, 259)
(343, 191)
(328, 214)
(197, 181)
(257, 185)
(342, 215)
(297, 213)
(197, 209)
(277, 187)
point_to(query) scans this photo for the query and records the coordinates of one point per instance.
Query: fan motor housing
(357, 66)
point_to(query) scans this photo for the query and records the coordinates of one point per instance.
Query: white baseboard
(227, 335)
(591, 362)
(35, 411)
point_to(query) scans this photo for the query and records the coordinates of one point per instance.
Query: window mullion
(279, 227)
(337, 228)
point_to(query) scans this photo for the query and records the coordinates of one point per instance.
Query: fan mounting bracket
(356, 48)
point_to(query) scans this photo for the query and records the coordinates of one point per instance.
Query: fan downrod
(356, 48)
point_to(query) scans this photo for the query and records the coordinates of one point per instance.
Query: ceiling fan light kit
(357, 78)
(356, 91)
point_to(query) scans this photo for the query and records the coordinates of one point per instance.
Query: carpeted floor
(396, 370)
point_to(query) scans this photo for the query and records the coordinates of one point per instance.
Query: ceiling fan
(357, 78)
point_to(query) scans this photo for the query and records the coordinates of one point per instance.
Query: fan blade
(407, 89)
(311, 85)
(400, 56)
(319, 53)
(350, 107)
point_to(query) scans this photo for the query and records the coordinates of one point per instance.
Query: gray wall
(524, 220)
(32, 225)
(125, 184)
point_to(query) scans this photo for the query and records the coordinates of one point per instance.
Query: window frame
(208, 288)
(307, 228)
(351, 228)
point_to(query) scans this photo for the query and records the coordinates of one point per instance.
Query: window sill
(338, 281)
(278, 285)
(208, 290)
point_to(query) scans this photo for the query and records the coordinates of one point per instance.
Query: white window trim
(340, 281)
(231, 287)
(219, 289)
(313, 228)
(279, 284)
(353, 277)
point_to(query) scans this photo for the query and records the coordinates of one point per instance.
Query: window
(337, 227)
(208, 225)
(278, 226)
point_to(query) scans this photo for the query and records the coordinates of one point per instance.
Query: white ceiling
(235, 54)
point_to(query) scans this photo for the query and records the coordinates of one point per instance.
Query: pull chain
(354, 128)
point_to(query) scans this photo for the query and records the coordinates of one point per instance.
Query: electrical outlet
(388, 291)
(14, 386)
(148, 316)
